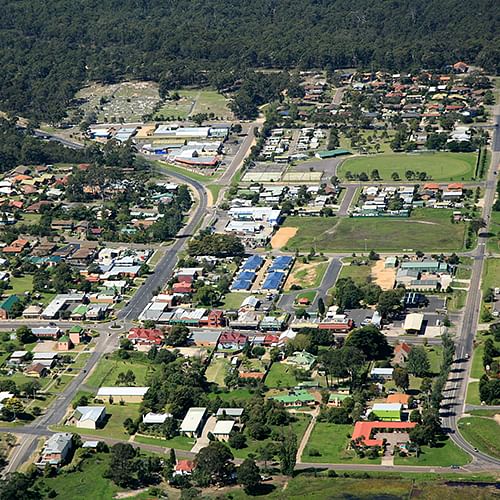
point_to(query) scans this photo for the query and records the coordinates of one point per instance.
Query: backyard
(426, 230)
(281, 375)
(437, 166)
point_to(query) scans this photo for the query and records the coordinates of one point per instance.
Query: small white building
(192, 424)
(223, 429)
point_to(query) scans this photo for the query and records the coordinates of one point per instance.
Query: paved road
(56, 138)
(456, 388)
(347, 199)
(329, 279)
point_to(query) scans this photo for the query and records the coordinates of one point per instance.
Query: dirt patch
(46, 346)
(383, 277)
(280, 239)
(497, 418)
(303, 275)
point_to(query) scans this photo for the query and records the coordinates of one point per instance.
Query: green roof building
(302, 359)
(295, 399)
(332, 153)
(387, 412)
(6, 306)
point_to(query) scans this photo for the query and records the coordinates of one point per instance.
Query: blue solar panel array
(253, 263)
(281, 263)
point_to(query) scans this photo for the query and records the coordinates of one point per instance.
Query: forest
(49, 49)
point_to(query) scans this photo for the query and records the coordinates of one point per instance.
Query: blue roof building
(273, 281)
(253, 263)
(241, 285)
(281, 263)
(246, 276)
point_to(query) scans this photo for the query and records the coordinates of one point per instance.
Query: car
(476, 450)
(455, 466)
(467, 355)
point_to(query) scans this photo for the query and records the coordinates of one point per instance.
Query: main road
(456, 388)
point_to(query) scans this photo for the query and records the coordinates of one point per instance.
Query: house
(387, 411)
(7, 306)
(295, 399)
(145, 338)
(223, 429)
(64, 343)
(17, 357)
(36, 370)
(16, 247)
(232, 340)
(184, 468)
(46, 332)
(215, 319)
(301, 359)
(401, 352)
(364, 431)
(204, 338)
(381, 373)
(76, 334)
(335, 399)
(193, 422)
(125, 394)
(391, 262)
(398, 398)
(56, 450)
(32, 312)
(155, 418)
(230, 413)
(413, 323)
(88, 417)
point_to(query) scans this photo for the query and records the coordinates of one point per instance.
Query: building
(125, 394)
(381, 373)
(336, 399)
(230, 413)
(193, 422)
(7, 306)
(145, 338)
(364, 431)
(184, 468)
(47, 332)
(295, 399)
(401, 352)
(56, 450)
(301, 359)
(232, 340)
(223, 429)
(413, 323)
(398, 398)
(64, 343)
(88, 417)
(36, 370)
(17, 358)
(390, 412)
(155, 418)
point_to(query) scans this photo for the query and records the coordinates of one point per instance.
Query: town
(200, 300)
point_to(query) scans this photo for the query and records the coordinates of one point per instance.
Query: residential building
(387, 411)
(301, 359)
(364, 431)
(295, 399)
(88, 417)
(381, 373)
(155, 418)
(193, 422)
(56, 450)
(125, 394)
(223, 429)
(401, 352)
(7, 305)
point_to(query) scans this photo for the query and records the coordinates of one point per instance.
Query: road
(347, 200)
(456, 388)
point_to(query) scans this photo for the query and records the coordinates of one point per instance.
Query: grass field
(360, 274)
(426, 230)
(482, 433)
(20, 285)
(217, 370)
(456, 301)
(107, 370)
(438, 166)
(233, 300)
(493, 244)
(473, 394)
(184, 171)
(445, 454)
(306, 275)
(195, 101)
(238, 395)
(331, 441)
(280, 375)
(385, 147)
(178, 442)
(491, 273)
(310, 294)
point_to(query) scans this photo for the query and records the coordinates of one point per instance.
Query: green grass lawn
(426, 230)
(493, 244)
(281, 375)
(184, 171)
(345, 142)
(482, 433)
(331, 441)
(438, 166)
(116, 415)
(456, 301)
(233, 300)
(87, 483)
(309, 276)
(238, 395)
(360, 274)
(473, 394)
(447, 453)
(178, 442)
(491, 273)
(298, 427)
(106, 372)
(215, 190)
(463, 273)
(310, 294)
(217, 370)
(20, 285)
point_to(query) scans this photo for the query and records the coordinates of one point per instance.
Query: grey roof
(57, 442)
(89, 412)
(230, 412)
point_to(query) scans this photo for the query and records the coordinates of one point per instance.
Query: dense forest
(48, 49)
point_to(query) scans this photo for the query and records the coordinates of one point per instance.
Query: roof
(223, 427)
(9, 302)
(413, 321)
(122, 391)
(90, 444)
(230, 412)
(281, 263)
(253, 262)
(184, 466)
(387, 407)
(300, 396)
(364, 429)
(273, 280)
(382, 371)
(93, 413)
(155, 418)
(193, 419)
(402, 347)
(57, 442)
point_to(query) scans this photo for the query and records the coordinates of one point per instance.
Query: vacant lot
(445, 454)
(482, 433)
(438, 166)
(306, 275)
(425, 230)
(192, 102)
(217, 370)
(282, 236)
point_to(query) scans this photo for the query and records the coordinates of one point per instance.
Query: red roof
(433, 186)
(184, 466)
(182, 287)
(455, 185)
(402, 347)
(150, 335)
(16, 204)
(256, 375)
(364, 430)
(233, 337)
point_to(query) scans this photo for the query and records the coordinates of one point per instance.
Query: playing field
(437, 166)
(195, 101)
(426, 230)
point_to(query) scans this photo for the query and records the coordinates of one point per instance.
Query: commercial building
(193, 422)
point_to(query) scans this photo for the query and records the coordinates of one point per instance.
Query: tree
(370, 341)
(25, 335)
(31, 388)
(321, 307)
(13, 405)
(249, 475)
(122, 465)
(287, 453)
(18, 485)
(401, 378)
(213, 464)
(177, 336)
(418, 362)
(237, 441)
(206, 296)
(389, 302)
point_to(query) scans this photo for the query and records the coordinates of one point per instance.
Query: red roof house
(184, 467)
(363, 431)
(146, 336)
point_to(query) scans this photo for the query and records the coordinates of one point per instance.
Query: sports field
(426, 230)
(195, 101)
(437, 166)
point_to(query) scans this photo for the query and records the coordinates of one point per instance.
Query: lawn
(20, 285)
(281, 375)
(482, 433)
(331, 441)
(307, 275)
(445, 454)
(298, 427)
(87, 483)
(310, 295)
(360, 274)
(494, 233)
(491, 273)
(456, 301)
(217, 370)
(426, 230)
(238, 395)
(345, 142)
(178, 442)
(473, 394)
(233, 300)
(215, 190)
(116, 415)
(438, 166)
(184, 171)
(106, 372)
